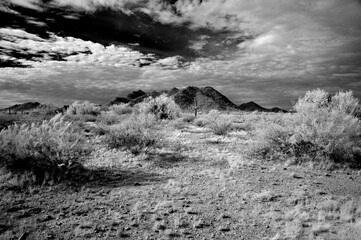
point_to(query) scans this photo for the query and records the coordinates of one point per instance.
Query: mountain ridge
(204, 98)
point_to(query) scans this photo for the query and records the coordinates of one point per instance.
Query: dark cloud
(267, 51)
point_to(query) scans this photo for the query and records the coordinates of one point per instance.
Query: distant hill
(207, 98)
(252, 106)
(23, 107)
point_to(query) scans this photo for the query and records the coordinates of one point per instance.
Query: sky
(267, 51)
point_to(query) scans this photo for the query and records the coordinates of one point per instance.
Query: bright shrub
(46, 148)
(218, 123)
(324, 127)
(162, 107)
(136, 134)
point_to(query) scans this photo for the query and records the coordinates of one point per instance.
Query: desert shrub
(188, 118)
(323, 128)
(121, 109)
(178, 123)
(7, 120)
(82, 111)
(218, 123)
(328, 124)
(162, 107)
(136, 134)
(110, 117)
(200, 122)
(46, 149)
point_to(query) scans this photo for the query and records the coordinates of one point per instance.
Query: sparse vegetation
(82, 111)
(323, 128)
(45, 149)
(162, 107)
(136, 134)
(162, 173)
(220, 124)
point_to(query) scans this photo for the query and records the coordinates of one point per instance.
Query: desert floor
(196, 185)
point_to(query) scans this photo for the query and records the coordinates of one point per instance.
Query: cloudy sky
(267, 51)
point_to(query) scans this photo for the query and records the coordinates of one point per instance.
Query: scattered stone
(198, 224)
(134, 224)
(172, 210)
(327, 175)
(15, 209)
(45, 218)
(159, 226)
(224, 229)
(185, 232)
(295, 175)
(137, 184)
(320, 192)
(223, 216)
(191, 211)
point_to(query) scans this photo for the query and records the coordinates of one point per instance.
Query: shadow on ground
(111, 178)
(169, 160)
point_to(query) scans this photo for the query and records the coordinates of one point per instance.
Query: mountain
(23, 107)
(207, 98)
(251, 107)
(278, 110)
(118, 100)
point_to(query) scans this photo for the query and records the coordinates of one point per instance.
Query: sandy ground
(195, 186)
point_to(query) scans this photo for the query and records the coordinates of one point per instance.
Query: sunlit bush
(82, 111)
(136, 134)
(121, 109)
(218, 123)
(46, 149)
(323, 128)
(162, 107)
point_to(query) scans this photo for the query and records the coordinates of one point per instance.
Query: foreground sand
(195, 186)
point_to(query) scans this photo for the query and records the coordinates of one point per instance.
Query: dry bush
(328, 125)
(162, 107)
(82, 111)
(218, 123)
(121, 109)
(323, 128)
(110, 117)
(136, 134)
(200, 122)
(46, 149)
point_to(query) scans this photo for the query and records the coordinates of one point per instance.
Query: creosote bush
(137, 133)
(218, 123)
(46, 149)
(323, 128)
(82, 111)
(121, 109)
(162, 107)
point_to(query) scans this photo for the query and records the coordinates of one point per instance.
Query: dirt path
(190, 189)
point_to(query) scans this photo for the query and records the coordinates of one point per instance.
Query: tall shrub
(162, 107)
(43, 148)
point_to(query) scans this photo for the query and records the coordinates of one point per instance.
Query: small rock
(159, 226)
(295, 175)
(198, 224)
(45, 218)
(134, 224)
(319, 192)
(223, 216)
(224, 229)
(191, 211)
(172, 210)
